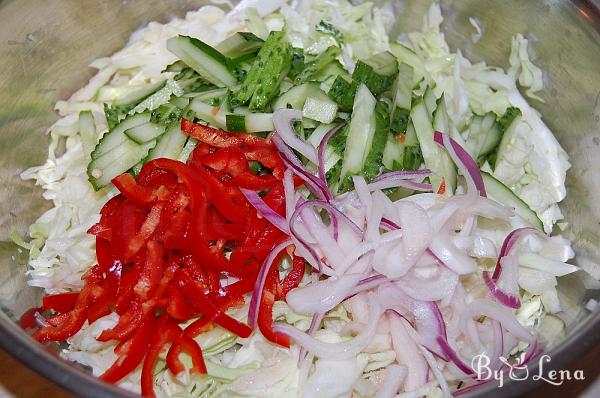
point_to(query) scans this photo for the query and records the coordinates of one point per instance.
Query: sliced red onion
(444, 249)
(463, 160)
(431, 361)
(453, 357)
(401, 178)
(434, 288)
(260, 282)
(321, 151)
(40, 320)
(336, 351)
(261, 207)
(508, 321)
(407, 352)
(403, 175)
(507, 299)
(508, 244)
(313, 183)
(323, 296)
(498, 340)
(389, 224)
(430, 325)
(394, 377)
(282, 120)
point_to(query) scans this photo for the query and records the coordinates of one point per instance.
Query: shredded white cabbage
(534, 168)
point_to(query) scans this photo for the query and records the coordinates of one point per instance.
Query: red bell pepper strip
(191, 347)
(294, 277)
(265, 321)
(138, 194)
(131, 353)
(151, 271)
(164, 332)
(195, 295)
(127, 324)
(150, 224)
(218, 138)
(61, 302)
(27, 320)
(200, 325)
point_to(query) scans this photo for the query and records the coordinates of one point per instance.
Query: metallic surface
(45, 47)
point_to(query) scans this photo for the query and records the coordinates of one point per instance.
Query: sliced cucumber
(320, 107)
(503, 194)
(169, 145)
(271, 66)
(296, 96)
(239, 44)
(430, 100)
(373, 162)
(187, 150)
(360, 132)
(507, 126)
(250, 123)
(408, 56)
(377, 73)
(436, 158)
(208, 62)
(210, 114)
(343, 91)
(312, 68)
(484, 135)
(393, 153)
(116, 137)
(129, 95)
(144, 132)
(210, 94)
(103, 169)
(87, 130)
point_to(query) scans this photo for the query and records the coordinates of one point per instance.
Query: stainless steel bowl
(46, 47)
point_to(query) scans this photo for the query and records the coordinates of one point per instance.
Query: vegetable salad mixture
(284, 201)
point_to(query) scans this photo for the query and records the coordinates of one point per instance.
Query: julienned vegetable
(161, 246)
(403, 151)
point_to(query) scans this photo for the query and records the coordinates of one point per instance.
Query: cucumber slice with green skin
(210, 114)
(376, 146)
(127, 96)
(484, 135)
(315, 66)
(210, 94)
(430, 100)
(208, 62)
(239, 44)
(402, 88)
(436, 158)
(360, 133)
(507, 126)
(411, 138)
(187, 150)
(297, 95)
(377, 73)
(342, 92)
(409, 57)
(116, 137)
(320, 107)
(87, 129)
(144, 132)
(442, 123)
(169, 145)
(250, 123)
(115, 162)
(271, 66)
(393, 153)
(503, 194)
